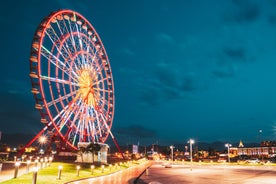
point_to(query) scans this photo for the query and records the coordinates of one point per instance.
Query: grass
(49, 175)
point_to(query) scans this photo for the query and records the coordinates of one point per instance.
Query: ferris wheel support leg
(31, 142)
(116, 144)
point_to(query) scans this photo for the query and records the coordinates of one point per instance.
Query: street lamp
(59, 171)
(35, 169)
(92, 169)
(191, 141)
(171, 147)
(228, 149)
(78, 170)
(28, 166)
(17, 164)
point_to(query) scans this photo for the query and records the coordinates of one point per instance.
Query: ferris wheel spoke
(95, 132)
(60, 99)
(75, 133)
(54, 42)
(65, 55)
(47, 54)
(91, 132)
(71, 37)
(98, 121)
(92, 124)
(107, 78)
(73, 40)
(105, 124)
(64, 34)
(56, 80)
(61, 114)
(66, 116)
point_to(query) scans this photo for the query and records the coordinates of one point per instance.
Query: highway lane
(211, 174)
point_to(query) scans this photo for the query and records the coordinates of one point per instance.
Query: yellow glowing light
(86, 89)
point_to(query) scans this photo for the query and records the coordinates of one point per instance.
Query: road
(211, 174)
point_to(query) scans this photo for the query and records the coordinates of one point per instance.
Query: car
(253, 161)
(168, 165)
(222, 160)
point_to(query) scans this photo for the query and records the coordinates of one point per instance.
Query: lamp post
(78, 170)
(228, 150)
(50, 160)
(59, 171)
(171, 147)
(92, 169)
(191, 141)
(17, 164)
(28, 166)
(35, 169)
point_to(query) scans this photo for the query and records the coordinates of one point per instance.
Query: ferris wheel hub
(86, 90)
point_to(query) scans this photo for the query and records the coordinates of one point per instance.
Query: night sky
(182, 68)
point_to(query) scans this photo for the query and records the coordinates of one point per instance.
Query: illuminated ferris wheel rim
(72, 79)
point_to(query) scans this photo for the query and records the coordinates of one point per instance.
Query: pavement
(208, 173)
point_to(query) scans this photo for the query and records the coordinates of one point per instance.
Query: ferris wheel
(71, 79)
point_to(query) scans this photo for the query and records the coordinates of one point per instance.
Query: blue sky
(181, 68)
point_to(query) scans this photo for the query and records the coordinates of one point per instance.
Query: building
(267, 149)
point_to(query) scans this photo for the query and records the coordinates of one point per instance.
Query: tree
(93, 148)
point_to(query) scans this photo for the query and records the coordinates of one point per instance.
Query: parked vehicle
(253, 161)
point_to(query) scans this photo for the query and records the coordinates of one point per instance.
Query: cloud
(164, 38)
(136, 131)
(166, 83)
(127, 51)
(188, 84)
(235, 53)
(14, 86)
(246, 11)
(149, 94)
(224, 73)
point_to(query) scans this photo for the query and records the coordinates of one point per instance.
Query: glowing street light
(171, 147)
(28, 166)
(35, 169)
(78, 170)
(59, 171)
(228, 150)
(92, 169)
(191, 141)
(17, 164)
(50, 160)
